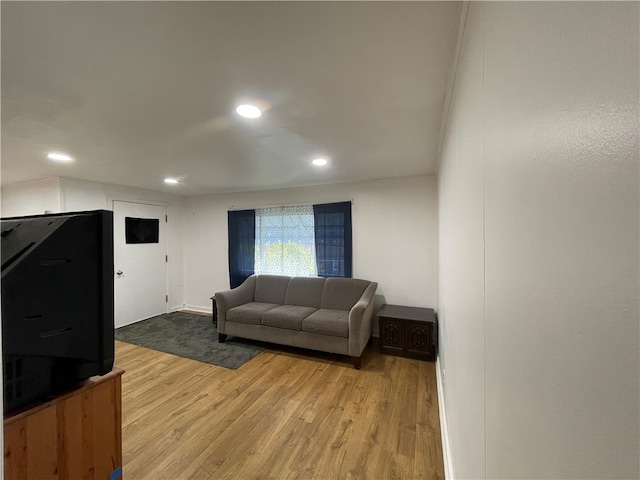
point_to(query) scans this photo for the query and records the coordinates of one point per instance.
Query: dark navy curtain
(334, 245)
(242, 245)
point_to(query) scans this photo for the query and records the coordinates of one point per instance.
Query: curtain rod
(308, 204)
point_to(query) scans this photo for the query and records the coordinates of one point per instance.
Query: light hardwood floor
(286, 414)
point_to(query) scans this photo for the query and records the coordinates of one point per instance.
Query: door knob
(119, 272)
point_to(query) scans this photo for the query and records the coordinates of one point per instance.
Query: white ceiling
(139, 91)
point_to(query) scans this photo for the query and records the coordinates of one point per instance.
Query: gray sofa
(327, 314)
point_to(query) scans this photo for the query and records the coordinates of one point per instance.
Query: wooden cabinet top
(407, 313)
(84, 385)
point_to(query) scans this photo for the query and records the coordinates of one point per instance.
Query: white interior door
(140, 268)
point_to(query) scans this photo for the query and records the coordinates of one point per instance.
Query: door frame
(156, 203)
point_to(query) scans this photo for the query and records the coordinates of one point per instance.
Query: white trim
(195, 308)
(133, 321)
(130, 199)
(444, 431)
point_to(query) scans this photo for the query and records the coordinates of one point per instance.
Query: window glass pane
(285, 241)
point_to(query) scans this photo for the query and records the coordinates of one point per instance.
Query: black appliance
(57, 303)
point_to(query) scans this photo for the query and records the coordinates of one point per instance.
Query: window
(285, 241)
(298, 241)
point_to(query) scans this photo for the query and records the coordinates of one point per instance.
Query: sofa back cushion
(305, 291)
(342, 293)
(271, 288)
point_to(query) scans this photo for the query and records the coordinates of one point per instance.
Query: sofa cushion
(271, 288)
(305, 291)
(287, 316)
(327, 322)
(342, 293)
(249, 312)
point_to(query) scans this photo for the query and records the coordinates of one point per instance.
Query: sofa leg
(357, 362)
(222, 337)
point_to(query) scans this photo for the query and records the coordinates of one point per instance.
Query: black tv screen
(57, 303)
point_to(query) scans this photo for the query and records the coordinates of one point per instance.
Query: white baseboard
(197, 308)
(446, 449)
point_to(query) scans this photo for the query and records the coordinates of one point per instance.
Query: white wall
(31, 198)
(82, 195)
(539, 243)
(394, 236)
(461, 264)
(68, 195)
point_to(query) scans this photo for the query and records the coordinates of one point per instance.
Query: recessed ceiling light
(248, 111)
(59, 157)
(171, 181)
(319, 162)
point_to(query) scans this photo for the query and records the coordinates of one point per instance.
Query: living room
(523, 235)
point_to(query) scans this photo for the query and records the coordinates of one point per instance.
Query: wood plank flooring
(286, 414)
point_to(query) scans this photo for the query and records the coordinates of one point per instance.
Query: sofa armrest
(228, 299)
(361, 321)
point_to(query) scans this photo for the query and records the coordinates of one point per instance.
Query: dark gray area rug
(191, 336)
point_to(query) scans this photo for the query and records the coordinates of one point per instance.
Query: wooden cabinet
(408, 331)
(77, 435)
